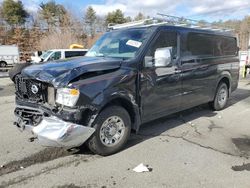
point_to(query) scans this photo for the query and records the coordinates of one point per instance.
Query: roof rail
(129, 24)
(166, 19)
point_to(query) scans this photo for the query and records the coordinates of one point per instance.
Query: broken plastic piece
(141, 168)
(32, 139)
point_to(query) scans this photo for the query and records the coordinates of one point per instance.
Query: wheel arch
(225, 78)
(2, 61)
(128, 105)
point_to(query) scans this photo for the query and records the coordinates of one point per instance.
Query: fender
(224, 74)
(123, 98)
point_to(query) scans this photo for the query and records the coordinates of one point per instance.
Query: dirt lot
(195, 148)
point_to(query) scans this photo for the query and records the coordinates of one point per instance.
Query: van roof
(199, 30)
(183, 29)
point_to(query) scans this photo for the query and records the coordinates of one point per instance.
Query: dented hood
(60, 73)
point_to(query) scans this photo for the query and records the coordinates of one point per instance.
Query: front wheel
(113, 126)
(221, 97)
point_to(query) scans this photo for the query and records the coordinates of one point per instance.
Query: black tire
(3, 64)
(221, 97)
(17, 69)
(95, 143)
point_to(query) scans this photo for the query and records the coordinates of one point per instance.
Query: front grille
(32, 90)
(28, 116)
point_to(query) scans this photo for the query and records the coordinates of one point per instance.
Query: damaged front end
(53, 125)
(59, 102)
(54, 132)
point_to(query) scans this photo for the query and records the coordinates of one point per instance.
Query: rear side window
(69, 54)
(200, 45)
(229, 46)
(205, 45)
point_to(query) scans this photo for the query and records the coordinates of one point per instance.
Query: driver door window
(166, 39)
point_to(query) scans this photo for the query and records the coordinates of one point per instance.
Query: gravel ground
(194, 148)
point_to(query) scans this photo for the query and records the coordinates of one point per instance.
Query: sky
(209, 10)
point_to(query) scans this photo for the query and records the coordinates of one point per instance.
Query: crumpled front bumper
(54, 132)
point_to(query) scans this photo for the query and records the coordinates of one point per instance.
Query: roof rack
(129, 24)
(166, 19)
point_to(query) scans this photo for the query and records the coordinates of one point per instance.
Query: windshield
(121, 44)
(46, 54)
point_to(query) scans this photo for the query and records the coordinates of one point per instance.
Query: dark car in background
(129, 77)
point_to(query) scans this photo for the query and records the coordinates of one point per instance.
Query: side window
(69, 54)
(218, 46)
(55, 56)
(199, 45)
(230, 46)
(205, 45)
(164, 40)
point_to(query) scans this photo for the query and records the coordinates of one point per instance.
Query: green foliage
(90, 19)
(52, 13)
(202, 23)
(139, 16)
(13, 12)
(115, 17)
(128, 19)
(90, 16)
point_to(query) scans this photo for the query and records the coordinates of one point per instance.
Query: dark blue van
(131, 75)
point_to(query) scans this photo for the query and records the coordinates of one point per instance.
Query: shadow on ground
(7, 90)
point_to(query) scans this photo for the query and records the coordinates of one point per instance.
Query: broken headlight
(67, 97)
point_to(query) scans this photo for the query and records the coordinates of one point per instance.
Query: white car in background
(56, 54)
(9, 55)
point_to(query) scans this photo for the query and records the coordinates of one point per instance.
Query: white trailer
(9, 55)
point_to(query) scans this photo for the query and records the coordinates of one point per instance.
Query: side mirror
(163, 57)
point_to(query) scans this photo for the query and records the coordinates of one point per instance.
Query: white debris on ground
(141, 168)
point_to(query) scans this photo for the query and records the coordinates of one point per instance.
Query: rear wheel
(3, 64)
(221, 97)
(113, 126)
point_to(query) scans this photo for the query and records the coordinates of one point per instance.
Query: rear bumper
(55, 132)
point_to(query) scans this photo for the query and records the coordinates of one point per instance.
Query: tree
(139, 16)
(202, 23)
(52, 13)
(115, 17)
(90, 19)
(13, 12)
(128, 19)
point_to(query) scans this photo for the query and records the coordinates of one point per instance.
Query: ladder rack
(170, 20)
